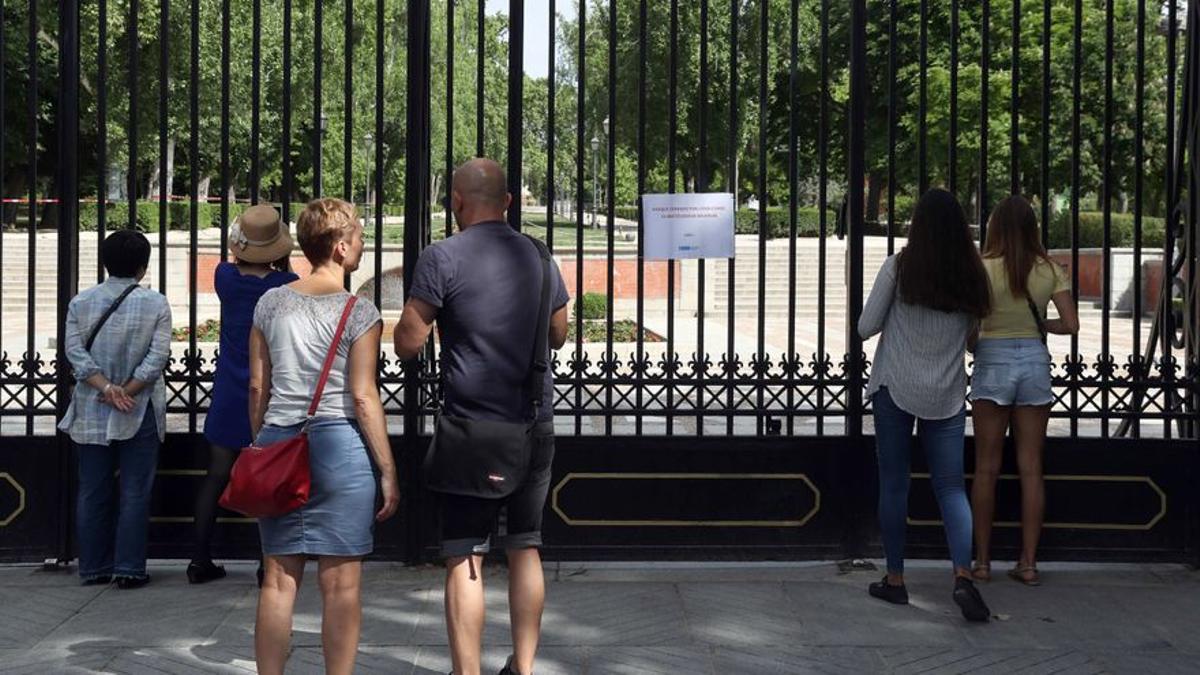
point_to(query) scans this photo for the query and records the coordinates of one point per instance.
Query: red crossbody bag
(276, 479)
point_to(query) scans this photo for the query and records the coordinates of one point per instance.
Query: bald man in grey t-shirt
(483, 288)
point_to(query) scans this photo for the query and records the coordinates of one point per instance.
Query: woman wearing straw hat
(261, 245)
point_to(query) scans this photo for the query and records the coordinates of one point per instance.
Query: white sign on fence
(691, 225)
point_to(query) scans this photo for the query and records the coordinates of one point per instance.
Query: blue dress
(228, 420)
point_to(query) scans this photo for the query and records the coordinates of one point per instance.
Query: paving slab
(627, 619)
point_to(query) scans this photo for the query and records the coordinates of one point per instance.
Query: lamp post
(369, 140)
(321, 131)
(595, 176)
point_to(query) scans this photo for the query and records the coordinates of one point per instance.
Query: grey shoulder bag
(487, 458)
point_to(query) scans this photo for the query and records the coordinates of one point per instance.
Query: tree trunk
(170, 182)
(874, 191)
(202, 188)
(152, 184)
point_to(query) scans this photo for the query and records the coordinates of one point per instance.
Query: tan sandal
(1026, 574)
(982, 572)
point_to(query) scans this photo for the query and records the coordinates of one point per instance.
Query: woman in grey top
(294, 326)
(927, 302)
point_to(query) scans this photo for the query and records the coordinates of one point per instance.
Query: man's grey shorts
(468, 522)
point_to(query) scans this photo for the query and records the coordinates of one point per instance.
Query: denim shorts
(1012, 371)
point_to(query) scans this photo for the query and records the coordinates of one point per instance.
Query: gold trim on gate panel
(687, 523)
(1162, 498)
(20, 499)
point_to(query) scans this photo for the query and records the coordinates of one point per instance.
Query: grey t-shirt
(486, 283)
(298, 329)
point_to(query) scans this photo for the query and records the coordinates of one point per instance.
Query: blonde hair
(322, 224)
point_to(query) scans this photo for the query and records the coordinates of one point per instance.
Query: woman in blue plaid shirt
(118, 411)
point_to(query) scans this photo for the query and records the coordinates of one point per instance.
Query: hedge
(1091, 230)
(116, 216)
(595, 306)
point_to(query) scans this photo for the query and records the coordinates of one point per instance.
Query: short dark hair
(125, 252)
(940, 267)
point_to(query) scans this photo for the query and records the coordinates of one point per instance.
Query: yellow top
(1010, 317)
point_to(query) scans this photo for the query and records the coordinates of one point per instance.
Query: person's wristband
(104, 391)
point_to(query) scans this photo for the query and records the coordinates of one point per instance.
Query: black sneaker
(508, 669)
(130, 583)
(201, 572)
(98, 581)
(968, 599)
(897, 595)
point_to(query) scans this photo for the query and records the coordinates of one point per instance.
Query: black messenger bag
(486, 458)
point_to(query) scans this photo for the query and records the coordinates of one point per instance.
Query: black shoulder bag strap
(1037, 316)
(540, 361)
(108, 313)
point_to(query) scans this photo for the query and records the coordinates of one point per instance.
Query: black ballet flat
(204, 572)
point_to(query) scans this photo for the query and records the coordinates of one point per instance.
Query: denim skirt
(339, 518)
(1012, 371)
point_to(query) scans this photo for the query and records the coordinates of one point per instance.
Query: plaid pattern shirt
(134, 343)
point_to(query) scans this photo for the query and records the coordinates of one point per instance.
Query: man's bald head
(480, 183)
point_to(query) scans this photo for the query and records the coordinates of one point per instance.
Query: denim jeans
(942, 441)
(112, 532)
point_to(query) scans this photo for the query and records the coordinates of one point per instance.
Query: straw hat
(259, 236)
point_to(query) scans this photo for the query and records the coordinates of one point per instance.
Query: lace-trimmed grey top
(920, 353)
(298, 329)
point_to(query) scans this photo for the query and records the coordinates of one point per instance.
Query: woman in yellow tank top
(1010, 385)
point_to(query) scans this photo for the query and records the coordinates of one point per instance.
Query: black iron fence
(831, 121)
(825, 120)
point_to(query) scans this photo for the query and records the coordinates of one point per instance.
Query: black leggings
(220, 461)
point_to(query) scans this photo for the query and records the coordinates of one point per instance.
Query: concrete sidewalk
(632, 619)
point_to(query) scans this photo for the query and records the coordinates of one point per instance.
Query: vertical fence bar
(193, 361)
(763, 201)
(551, 87)
(1076, 140)
(1106, 196)
(4, 125)
(377, 148)
(164, 28)
(1166, 318)
(1139, 372)
(731, 357)
(348, 112)
(101, 128)
(610, 179)
(985, 69)
(516, 107)
(952, 172)
(856, 146)
(256, 99)
(1045, 176)
(480, 52)
(640, 370)
(792, 361)
(286, 136)
(700, 359)
(923, 101)
(892, 101)
(823, 204)
(580, 365)
(66, 181)
(1014, 138)
(672, 130)
(450, 5)
(415, 211)
(132, 130)
(31, 357)
(318, 122)
(226, 184)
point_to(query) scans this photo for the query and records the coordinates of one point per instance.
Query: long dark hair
(940, 267)
(1012, 237)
